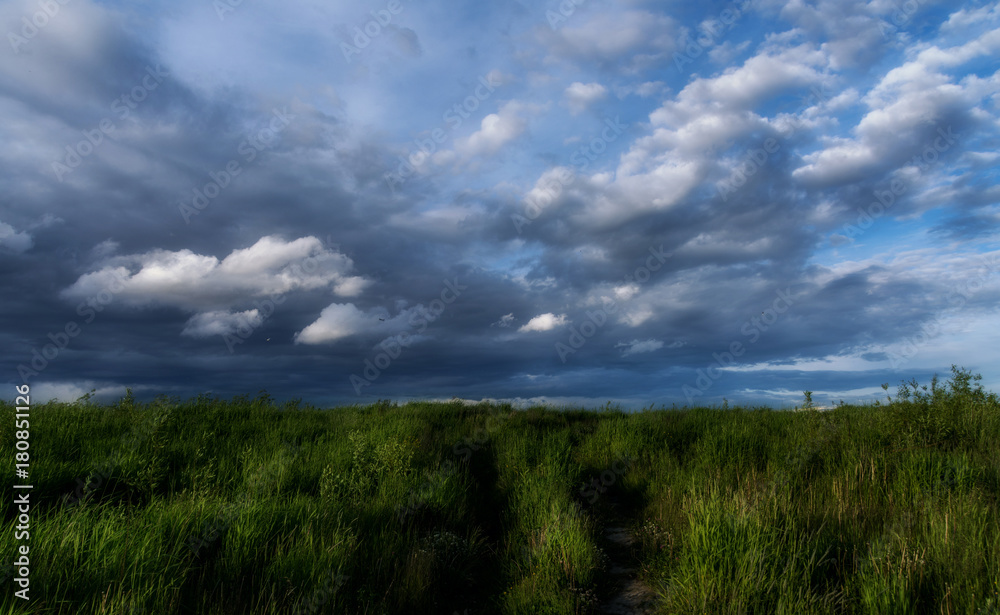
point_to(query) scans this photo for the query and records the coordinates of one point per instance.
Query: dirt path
(630, 596)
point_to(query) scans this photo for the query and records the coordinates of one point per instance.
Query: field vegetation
(247, 506)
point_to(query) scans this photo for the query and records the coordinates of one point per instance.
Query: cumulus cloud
(855, 32)
(496, 130)
(544, 322)
(197, 282)
(741, 87)
(220, 322)
(592, 217)
(579, 96)
(963, 19)
(905, 107)
(341, 320)
(337, 321)
(665, 168)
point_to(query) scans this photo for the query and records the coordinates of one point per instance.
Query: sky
(570, 203)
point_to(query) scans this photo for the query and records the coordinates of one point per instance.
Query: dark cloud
(714, 216)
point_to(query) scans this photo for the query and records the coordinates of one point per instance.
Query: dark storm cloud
(704, 213)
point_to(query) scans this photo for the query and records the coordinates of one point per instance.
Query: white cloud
(762, 76)
(341, 320)
(663, 169)
(962, 20)
(626, 291)
(635, 316)
(336, 321)
(902, 105)
(852, 30)
(496, 130)
(351, 287)
(544, 322)
(579, 96)
(203, 283)
(637, 347)
(221, 323)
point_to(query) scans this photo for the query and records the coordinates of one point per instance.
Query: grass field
(250, 507)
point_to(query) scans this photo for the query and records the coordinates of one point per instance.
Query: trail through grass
(245, 506)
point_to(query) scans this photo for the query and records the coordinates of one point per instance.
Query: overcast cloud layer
(642, 202)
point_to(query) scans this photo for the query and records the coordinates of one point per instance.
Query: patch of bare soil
(630, 596)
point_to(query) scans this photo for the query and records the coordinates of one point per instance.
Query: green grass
(249, 507)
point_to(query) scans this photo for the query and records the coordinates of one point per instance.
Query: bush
(941, 415)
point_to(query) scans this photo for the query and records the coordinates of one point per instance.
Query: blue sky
(641, 202)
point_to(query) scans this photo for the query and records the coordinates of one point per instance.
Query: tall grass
(247, 506)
